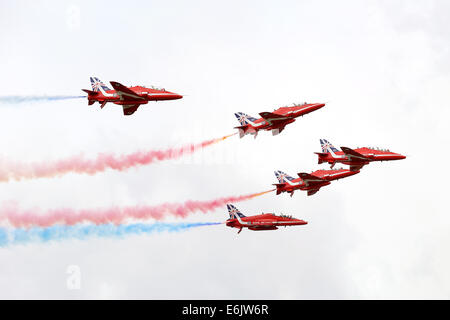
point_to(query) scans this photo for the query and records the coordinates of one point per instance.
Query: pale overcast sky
(381, 67)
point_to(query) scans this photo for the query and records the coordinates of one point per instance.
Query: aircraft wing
(130, 109)
(125, 93)
(275, 119)
(310, 179)
(312, 191)
(353, 155)
(356, 167)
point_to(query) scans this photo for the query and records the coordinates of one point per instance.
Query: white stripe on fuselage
(292, 183)
(271, 222)
(107, 94)
(157, 94)
(332, 174)
(279, 222)
(242, 222)
(334, 155)
(262, 223)
(255, 125)
(385, 155)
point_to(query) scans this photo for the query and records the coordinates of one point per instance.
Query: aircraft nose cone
(177, 96)
(397, 156)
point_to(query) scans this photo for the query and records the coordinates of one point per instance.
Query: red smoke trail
(77, 164)
(28, 218)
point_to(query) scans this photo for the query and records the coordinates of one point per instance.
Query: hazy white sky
(382, 68)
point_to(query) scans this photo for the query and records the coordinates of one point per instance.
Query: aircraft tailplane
(91, 96)
(321, 157)
(242, 130)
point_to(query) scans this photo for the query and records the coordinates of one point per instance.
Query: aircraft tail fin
(98, 85)
(244, 119)
(245, 122)
(234, 212)
(283, 177)
(327, 147)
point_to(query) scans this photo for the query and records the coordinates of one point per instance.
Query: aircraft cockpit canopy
(379, 149)
(155, 88)
(294, 105)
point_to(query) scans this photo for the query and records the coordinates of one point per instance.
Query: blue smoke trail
(81, 232)
(22, 99)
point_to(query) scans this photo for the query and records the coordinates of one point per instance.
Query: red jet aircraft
(275, 121)
(355, 158)
(129, 98)
(265, 221)
(310, 182)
